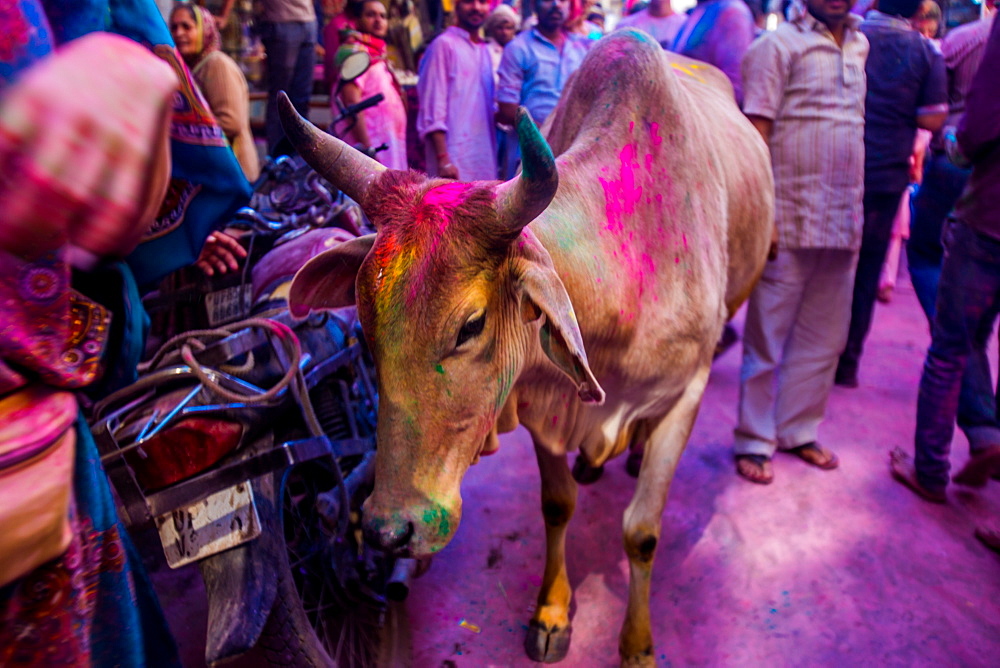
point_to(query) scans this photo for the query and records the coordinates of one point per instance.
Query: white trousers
(796, 328)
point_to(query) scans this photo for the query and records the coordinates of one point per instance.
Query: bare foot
(902, 469)
(755, 468)
(980, 468)
(816, 455)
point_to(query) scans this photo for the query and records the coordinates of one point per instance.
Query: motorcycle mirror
(354, 65)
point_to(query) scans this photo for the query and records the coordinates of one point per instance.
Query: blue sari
(95, 605)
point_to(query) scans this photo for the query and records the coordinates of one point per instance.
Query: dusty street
(820, 568)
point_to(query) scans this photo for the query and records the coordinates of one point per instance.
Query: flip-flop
(755, 468)
(818, 456)
(903, 471)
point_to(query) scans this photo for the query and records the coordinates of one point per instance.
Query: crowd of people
(487, 59)
(490, 60)
(839, 100)
(867, 119)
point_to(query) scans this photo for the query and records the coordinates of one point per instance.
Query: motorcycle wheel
(331, 608)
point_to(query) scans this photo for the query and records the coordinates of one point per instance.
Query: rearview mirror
(354, 65)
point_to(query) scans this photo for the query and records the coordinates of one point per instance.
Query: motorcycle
(250, 443)
(289, 200)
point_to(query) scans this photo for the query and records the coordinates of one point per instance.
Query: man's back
(280, 11)
(979, 139)
(906, 78)
(962, 49)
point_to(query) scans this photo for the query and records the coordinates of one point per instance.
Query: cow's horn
(345, 167)
(520, 200)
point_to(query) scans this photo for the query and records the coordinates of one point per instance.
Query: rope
(293, 377)
(171, 343)
(285, 336)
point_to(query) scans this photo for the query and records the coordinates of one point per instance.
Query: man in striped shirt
(804, 90)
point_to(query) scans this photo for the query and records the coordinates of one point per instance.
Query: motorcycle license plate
(228, 304)
(223, 520)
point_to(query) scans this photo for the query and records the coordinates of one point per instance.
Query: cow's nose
(387, 535)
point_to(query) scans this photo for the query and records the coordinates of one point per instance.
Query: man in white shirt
(659, 20)
(456, 99)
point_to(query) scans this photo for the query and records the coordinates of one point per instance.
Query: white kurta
(456, 96)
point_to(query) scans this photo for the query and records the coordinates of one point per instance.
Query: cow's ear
(327, 280)
(543, 295)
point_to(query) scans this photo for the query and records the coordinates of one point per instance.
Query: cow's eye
(472, 327)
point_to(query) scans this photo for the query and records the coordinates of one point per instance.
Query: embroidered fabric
(50, 331)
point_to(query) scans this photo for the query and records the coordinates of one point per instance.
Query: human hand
(917, 166)
(952, 149)
(448, 171)
(84, 159)
(221, 253)
(222, 20)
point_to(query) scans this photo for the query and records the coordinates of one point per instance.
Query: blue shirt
(533, 71)
(906, 78)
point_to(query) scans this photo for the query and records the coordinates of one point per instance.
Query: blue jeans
(942, 185)
(291, 55)
(967, 304)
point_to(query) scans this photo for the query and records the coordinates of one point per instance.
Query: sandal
(816, 455)
(755, 468)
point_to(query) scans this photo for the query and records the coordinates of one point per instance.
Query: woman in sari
(90, 168)
(385, 123)
(220, 79)
(88, 165)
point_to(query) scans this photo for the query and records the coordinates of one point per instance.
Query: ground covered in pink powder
(820, 568)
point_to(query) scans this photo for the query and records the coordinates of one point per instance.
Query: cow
(582, 299)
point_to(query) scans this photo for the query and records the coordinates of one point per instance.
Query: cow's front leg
(642, 521)
(548, 633)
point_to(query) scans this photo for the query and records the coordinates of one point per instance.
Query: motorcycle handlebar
(355, 109)
(257, 221)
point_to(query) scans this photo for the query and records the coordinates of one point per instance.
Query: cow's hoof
(633, 463)
(546, 645)
(584, 473)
